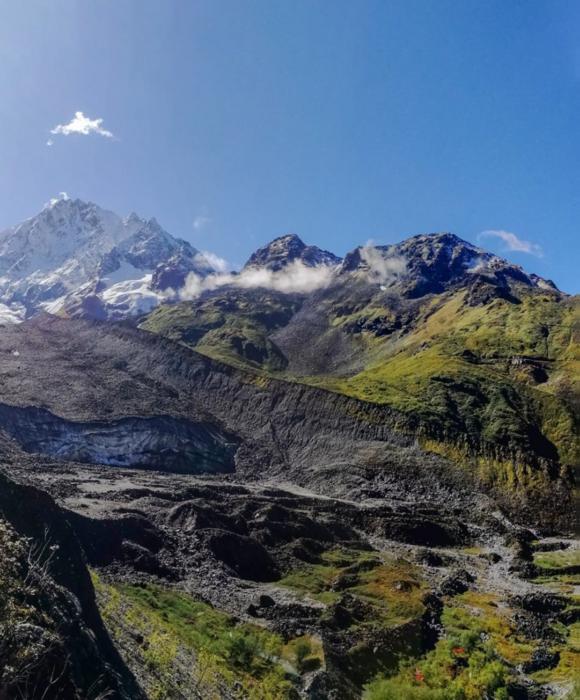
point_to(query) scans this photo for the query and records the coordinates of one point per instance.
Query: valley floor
(213, 588)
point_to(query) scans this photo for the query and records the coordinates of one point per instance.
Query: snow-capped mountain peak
(74, 249)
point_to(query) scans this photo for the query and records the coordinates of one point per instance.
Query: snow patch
(12, 314)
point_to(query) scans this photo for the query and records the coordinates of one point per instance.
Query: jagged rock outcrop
(62, 650)
(285, 250)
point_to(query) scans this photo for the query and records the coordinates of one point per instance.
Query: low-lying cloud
(477, 266)
(220, 265)
(513, 242)
(296, 277)
(383, 269)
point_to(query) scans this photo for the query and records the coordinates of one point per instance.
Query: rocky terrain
(476, 357)
(318, 478)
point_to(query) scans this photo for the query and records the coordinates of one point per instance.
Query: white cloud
(82, 125)
(61, 197)
(295, 277)
(477, 265)
(383, 268)
(514, 243)
(221, 265)
(201, 222)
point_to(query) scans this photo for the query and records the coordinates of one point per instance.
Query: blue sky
(339, 121)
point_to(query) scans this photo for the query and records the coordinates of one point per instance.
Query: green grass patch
(183, 643)
(557, 560)
(476, 656)
(232, 327)
(472, 660)
(392, 589)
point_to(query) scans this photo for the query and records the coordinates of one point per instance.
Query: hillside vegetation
(488, 373)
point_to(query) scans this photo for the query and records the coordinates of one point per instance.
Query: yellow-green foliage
(507, 475)
(24, 578)
(559, 581)
(476, 656)
(568, 668)
(304, 653)
(188, 646)
(454, 366)
(484, 400)
(480, 613)
(557, 560)
(232, 328)
(471, 661)
(11, 554)
(393, 588)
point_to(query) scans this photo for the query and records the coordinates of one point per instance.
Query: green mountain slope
(486, 364)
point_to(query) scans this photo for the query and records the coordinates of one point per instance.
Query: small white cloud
(61, 197)
(383, 268)
(477, 265)
(82, 125)
(219, 264)
(514, 243)
(201, 222)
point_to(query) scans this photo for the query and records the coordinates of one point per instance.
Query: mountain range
(473, 350)
(77, 258)
(316, 477)
(75, 254)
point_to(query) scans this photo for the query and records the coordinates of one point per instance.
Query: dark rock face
(194, 515)
(457, 582)
(82, 657)
(114, 373)
(431, 558)
(436, 262)
(162, 442)
(106, 540)
(288, 249)
(541, 603)
(246, 557)
(535, 616)
(282, 428)
(541, 658)
(171, 274)
(526, 691)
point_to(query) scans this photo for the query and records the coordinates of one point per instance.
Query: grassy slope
(454, 370)
(480, 646)
(232, 327)
(426, 370)
(181, 647)
(477, 656)
(451, 364)
(392, 588)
